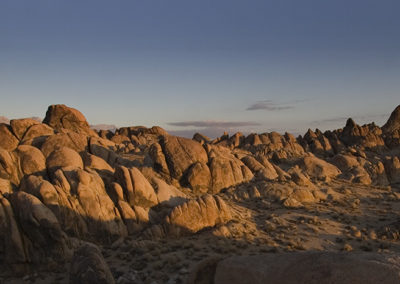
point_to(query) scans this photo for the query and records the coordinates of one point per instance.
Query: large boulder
(82, 196)
(167, 195)
(226, 170)
(88, 266)
(261, 167)
(199, 177)
(63, 157)
(31, 160)
(20, 126)
(392, 168)
(193, 216)
(25, 160)
(305, 267)
(36, 135)
(137, 188)
(7, 139)
(352, 169)
(64, 119)
(12, 246)
(180, 153)
(75, 141)
(44, 236)
(319, 169)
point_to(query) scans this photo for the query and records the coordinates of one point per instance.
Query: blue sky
(203, 65)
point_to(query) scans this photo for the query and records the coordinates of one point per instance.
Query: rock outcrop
(313, 267)
(89, 266)
(193, 216)
(64, 119)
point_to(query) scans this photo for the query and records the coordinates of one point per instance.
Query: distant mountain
(98, 127)
(4, 119)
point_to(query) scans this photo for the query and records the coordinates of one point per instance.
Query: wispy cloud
(211, 128)
(343, 119)
(270, 105)
(215, 124)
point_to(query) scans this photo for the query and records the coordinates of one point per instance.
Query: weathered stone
(309, 267)
(63, 157)
(75, 141)
(167, 195)
(7, 139)
(89, 266)
(199, 177)
(318, 168)
(20, 126)
(61, 118)
(195, 215)
(45, 238)
(180, 153)
(137, 188)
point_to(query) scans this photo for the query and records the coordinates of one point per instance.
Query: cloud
(269, 105)
(343, 119)
(211, 128)
(214, 124)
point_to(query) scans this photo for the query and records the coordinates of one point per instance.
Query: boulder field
(137, 205)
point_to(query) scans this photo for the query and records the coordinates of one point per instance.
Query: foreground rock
(309, 267)
(89, 266)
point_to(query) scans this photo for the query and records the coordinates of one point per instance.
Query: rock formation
(139, 205)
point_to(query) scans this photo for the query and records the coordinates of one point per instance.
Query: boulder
(7, 139)
(167, 195)
(129, 216)
(156, 154)
(307, 267)
(201, 138)
(97, 163)
(36, 135)
(64, 119)
(75, 141)
(25, 160)
(193, 216)
(20, 126)
(88, 266)
(180, 153)
(44, 236)
(63, 157)
(12, 249)
(137, 188)
(31, 160)
(392, 168)
(8, 167)
(83, 197)
(226, 170)
(199, 177)
(319, 169)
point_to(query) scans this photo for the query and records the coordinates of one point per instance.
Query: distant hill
(4, 119)
(98, 127)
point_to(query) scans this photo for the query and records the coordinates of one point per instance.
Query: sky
(203, 66)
